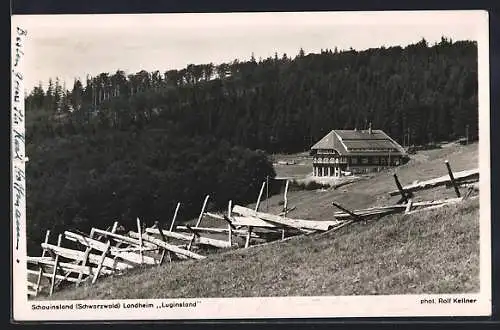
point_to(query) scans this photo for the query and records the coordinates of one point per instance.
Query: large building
(353, 151)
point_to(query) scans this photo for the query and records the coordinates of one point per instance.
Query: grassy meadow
(427, 252)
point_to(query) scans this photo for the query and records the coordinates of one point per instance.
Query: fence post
(404, 198)
(40, 271)
(450, 173)
(175, 216)
(56, 261)
(101, 261)
(139, 230)
(229, 227)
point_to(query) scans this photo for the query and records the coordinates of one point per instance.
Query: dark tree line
(419, 93)
(83, 181)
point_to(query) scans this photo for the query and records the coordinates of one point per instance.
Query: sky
(72, 46)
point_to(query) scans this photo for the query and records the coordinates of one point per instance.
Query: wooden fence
(113, 251)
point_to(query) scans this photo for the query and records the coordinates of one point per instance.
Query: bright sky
(69, 46)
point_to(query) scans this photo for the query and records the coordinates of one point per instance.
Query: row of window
(376, 160)
(326, 151)
(331, 160)
(373, 149)
(355, 160)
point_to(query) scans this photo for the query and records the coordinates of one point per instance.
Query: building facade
(343, 152)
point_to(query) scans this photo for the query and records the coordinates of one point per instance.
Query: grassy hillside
(427, 252)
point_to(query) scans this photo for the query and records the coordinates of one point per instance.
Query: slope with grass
(434, 251)
(430, 252)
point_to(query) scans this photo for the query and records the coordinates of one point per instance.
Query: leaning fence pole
(160, 230)
(87, 252)
(285, 207)
(84, 263)
(101, 261)
(198, 222)
(162, 256)
(139, 230)
(53, 279)
(64, 278)
(468, 193)
(229, 227)
(164, 239)
(452, 178)
(400, 188)
(250, 228)
(86, 255)
(409, 205)
(202, 210)
(115, 227)
(285, 199)
(175, 216)
(249, 233)
(260, 196)
(267, 193)
(195, 234)
(354, 215)
(40, 271)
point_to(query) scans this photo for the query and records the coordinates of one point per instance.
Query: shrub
(309, 185)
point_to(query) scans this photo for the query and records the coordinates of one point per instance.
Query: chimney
(370, 128)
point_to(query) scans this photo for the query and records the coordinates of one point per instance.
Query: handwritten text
(18, 133)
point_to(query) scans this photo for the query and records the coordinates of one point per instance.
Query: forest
(119, 146)
(279, 104)
(81, 182)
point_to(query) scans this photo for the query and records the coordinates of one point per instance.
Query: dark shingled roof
(351, 142)
(361, 135)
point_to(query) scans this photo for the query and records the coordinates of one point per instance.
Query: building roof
(353, 142)
(361, 135)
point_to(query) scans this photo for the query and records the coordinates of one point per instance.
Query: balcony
(324, 160)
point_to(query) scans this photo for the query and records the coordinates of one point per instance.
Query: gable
(330, 141)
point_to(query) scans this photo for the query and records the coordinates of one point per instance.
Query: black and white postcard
(250, 165)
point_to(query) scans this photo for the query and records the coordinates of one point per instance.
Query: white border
(286, 307)
(484, 158)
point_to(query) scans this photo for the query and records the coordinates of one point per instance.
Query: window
(375, 160)
(354, 160)
(364, 160)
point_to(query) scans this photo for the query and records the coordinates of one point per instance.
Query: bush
(309, 185)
